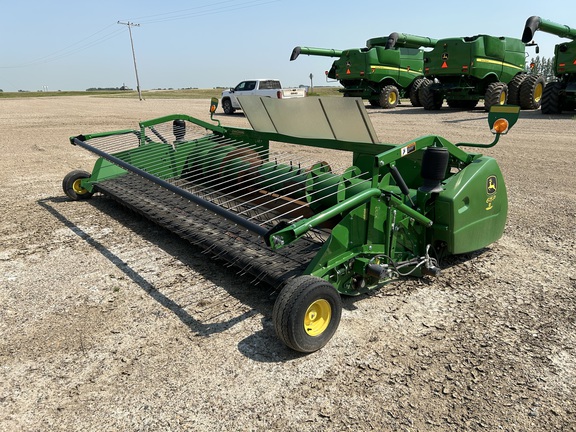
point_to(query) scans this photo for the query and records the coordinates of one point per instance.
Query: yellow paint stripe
(496, 62)
(416, 72)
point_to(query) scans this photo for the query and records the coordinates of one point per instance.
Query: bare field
(108, 322)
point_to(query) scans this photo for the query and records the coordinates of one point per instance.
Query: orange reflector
(574, 62)
(500, 126)
(444, 65)
(347, 71)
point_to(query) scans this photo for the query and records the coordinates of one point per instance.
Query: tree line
(543, 66)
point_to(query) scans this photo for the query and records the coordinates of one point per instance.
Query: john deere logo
(445, 56)
(491, 185)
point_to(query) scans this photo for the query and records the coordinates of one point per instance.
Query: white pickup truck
(258, 87)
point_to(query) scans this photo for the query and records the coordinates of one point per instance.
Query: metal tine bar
(192, 177)
(288, 212)
(111, 144)
(219, 195)
(219, 191)
(199, 158)
(234, 172)
(270, 193)
(112, 149)
(257, 183)
(298, 190)
(217, 174)
(180, 158)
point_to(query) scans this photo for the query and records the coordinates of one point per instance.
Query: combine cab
(386, 70)
(559, 95)
(464, 70)
(306, 230)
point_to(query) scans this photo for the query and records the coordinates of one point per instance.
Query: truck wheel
(71, 185)
(389, 97)
(430, 99)
(414, 98)
(514, 88)
(531, 92)
(496, 94)
(227, 106)
(307, 313)
(551, 98)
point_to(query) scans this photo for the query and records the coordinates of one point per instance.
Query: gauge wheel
(307, 313)
(72, 185)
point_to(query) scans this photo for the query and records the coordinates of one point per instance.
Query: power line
(69, 50)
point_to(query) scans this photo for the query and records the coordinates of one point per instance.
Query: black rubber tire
(227, 106)
(551, 103)
(414, 95)
(429, 99)
(514, 88)
(496, 94)
(290, 313)
(531, 92)
(71, 185)
(389, 97)
(462, 104)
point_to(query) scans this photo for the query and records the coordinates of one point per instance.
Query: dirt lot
(108, 322)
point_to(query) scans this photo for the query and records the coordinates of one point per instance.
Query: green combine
(309, 232)
(464, 70)
(559, 95)
(389, 68)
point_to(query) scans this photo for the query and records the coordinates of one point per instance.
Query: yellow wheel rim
(77, 187)
(392, 98)
(538, 92)
(317, 317)
(502, 98)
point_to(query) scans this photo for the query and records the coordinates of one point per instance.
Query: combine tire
(307, 313)
(227, 106)
(496, 94)
(414, 98)
(72, 187)
(389, 97)
(551, 98)
(531, 92)
(429, 99)
(514, 88)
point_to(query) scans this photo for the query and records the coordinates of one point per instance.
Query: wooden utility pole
(130, 25)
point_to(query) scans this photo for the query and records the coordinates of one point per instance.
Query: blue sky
(74, 45)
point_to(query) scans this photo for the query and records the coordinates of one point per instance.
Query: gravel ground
(108, 322)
